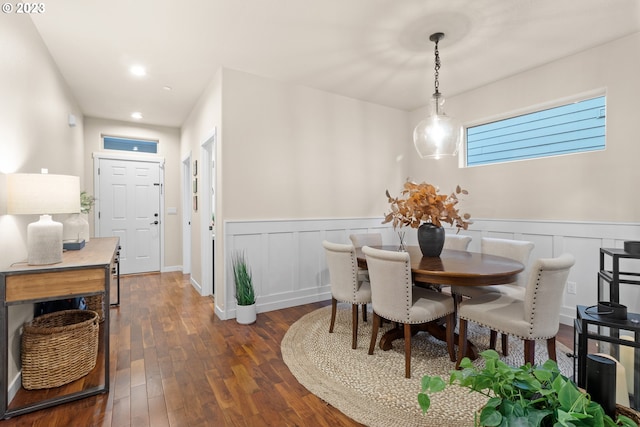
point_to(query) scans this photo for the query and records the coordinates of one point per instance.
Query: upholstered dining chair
(365, 239)
(394, 298)
(456, 242)
(518, 250)
(534, 317)
(345, 286)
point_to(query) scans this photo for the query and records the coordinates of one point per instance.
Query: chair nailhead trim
(533, 308)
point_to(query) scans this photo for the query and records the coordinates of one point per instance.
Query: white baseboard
(196, 285)
(14, 386)
(171, 268)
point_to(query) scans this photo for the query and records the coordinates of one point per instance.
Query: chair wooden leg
(551, 348)
(407, 350)
(530, 351)
(354, 325)
(451, 326)
(505, 345)
(334, 304)
(493, 336)
(364, 312)
(374, 332)
(462, 341)
(457, 299)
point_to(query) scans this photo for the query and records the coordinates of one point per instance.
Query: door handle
(153, 223)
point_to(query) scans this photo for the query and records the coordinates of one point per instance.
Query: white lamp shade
(42, 194)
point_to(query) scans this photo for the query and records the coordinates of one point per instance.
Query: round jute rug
(372, 389)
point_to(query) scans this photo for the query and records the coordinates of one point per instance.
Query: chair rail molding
(288, 265)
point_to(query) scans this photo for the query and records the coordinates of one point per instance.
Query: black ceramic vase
(430, 239)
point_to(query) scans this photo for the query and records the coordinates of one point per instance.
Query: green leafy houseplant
(524, 396)
(245, 294)
(86, 202)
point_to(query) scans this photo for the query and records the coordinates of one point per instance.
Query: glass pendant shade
(438, 135)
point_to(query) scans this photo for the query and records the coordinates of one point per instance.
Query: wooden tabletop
(97, 252)
(460, 268)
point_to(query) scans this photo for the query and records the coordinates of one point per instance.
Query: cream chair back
(518, 250)
(391, 283)
(343, 268)
(543, 295)
(366, 239)
(456, 242)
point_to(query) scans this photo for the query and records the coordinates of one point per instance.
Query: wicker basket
(58, 348)
(96, 303)
(628, 412)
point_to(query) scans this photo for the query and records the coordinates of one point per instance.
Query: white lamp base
(44, 241)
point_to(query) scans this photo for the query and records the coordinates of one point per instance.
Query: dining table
(456, 268)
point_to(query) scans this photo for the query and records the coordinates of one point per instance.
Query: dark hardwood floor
(174, 363)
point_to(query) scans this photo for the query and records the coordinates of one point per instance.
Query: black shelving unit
(585, 318)
(614, 277)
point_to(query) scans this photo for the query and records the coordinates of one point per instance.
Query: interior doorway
(207, 218)
(187, 203)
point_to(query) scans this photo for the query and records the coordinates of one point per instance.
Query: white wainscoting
(288, 262)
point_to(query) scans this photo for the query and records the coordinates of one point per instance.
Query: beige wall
(168, 147)
(34, 133)
(204, 119)
(286, 151)
(596, 186)
(294, 152)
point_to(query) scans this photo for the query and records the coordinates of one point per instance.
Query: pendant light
(438, 135)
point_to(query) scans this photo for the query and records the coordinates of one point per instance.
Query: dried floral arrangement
(421, 203)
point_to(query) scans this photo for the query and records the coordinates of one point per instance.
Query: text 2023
(30, 8)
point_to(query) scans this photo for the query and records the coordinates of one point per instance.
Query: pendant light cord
(437, 69)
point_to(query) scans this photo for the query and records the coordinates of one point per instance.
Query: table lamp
(44, 195)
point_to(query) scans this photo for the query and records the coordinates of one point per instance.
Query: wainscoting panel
(288, 262)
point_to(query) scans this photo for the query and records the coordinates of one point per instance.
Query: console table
(84, 272)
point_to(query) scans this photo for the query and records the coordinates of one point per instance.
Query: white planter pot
(246, 314)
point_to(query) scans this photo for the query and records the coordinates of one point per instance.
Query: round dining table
(459, 268)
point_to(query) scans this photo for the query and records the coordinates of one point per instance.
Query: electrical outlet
(572, 288)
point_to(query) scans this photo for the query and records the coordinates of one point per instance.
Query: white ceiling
(374, 50)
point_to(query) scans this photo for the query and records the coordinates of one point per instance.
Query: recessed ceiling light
(138, 70)
(167, 88)
(136, 115)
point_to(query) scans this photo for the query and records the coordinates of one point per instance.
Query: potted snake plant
(244, 290)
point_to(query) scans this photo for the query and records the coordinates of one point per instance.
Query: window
(570, 128)
(127, 144)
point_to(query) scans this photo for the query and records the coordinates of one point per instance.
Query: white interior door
(129, 208)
